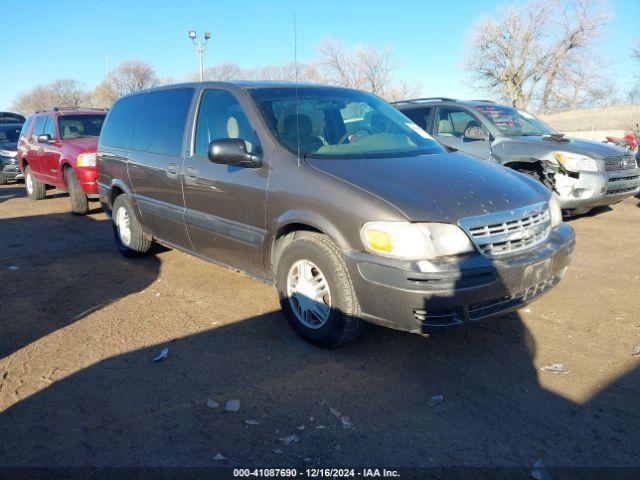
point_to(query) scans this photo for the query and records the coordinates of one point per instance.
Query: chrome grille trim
(621, 162)
(509, 232)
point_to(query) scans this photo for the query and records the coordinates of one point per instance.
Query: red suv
(58, 148)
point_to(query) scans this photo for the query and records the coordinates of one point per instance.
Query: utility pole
(201, 49)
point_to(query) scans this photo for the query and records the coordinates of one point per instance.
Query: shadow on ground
(128, 411)
(13, 190)
(591, 213)
(78, 271)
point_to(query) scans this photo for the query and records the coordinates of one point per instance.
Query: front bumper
(9, 169)
(594, 189)
(87, 177)
(422, 297)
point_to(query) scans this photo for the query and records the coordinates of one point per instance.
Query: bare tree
(223, 72)
(59, 93)
(130, 76)
(338, 64)
(580, 22)
(365, 67)
(537, 51)
(635, 49)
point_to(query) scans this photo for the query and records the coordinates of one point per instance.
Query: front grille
(509, 232)
(481, 310)
(621, 190)
(622, 179)
(8, 164)
(485, 309)
(623, 162)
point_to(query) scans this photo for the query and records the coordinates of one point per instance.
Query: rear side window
(160, 126)
(39, 127)
(419, 116)
(452, 122)
(25, 127)
(118, 127)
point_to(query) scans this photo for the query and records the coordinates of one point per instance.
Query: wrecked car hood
(580, 146)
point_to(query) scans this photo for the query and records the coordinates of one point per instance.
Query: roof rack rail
(58, 109)
(484, 101)
(425, 99)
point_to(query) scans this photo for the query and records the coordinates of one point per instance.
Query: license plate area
(536, 273)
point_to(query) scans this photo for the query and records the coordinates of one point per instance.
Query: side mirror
(233, 151)
(475, 133)
(45, 138)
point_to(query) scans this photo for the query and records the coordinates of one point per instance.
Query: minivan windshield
(337, 122)
(511, 121)
(75, 126)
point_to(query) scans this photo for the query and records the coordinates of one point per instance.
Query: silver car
(583, 173)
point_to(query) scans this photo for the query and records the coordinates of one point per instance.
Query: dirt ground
(80, 325)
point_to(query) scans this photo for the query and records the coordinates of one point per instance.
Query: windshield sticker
(419, 131)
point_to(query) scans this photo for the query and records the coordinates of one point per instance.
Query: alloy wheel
(123, 224)
(28, 181)
(308, 294)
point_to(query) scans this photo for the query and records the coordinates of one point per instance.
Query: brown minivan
(353, 211)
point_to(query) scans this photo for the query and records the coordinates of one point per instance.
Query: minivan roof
(243, 84)
(416, 102)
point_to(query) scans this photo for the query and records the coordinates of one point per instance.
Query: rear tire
(35, 189)
(79, 201)
(321, 305)
(130, 238)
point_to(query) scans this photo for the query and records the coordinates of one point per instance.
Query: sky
(69, 38)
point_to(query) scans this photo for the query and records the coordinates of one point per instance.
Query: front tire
(316, 292)
(130, 238)
(79, 201)
(35, 189)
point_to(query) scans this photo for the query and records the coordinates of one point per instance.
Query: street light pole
(201, 49)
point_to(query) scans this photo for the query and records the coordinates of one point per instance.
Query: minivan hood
(440, 188)
(590, 148)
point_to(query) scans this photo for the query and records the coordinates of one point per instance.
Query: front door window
(449, 128)
(220, 116)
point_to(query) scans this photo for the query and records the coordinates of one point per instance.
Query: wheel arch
(64, 165)
(285, 227)
(116, 188)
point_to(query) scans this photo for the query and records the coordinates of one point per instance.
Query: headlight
(414, 241)
(575, 162)
(8, 153)
(555, 210)
(86, 160)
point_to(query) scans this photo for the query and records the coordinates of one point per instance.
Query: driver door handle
(172, 170)
(190, 174)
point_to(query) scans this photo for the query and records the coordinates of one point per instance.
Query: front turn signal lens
(379, 240)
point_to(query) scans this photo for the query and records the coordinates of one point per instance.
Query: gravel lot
(80, 326)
